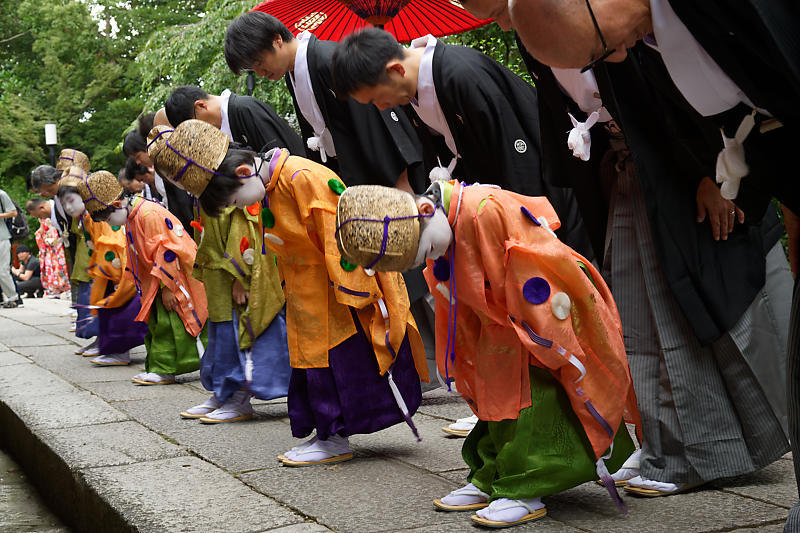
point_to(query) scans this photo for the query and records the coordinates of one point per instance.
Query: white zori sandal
(506, 513)
(114, 359)
(199, 411)
(467, 498)
(153, 378)
(628, 470)
(461, 427)
(653, 489)
(235, 409)
(316, 452)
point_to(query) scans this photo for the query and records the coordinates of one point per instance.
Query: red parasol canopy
(331, 20)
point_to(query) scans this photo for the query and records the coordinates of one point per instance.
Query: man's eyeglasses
(606, 51)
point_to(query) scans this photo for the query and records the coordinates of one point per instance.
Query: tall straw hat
(361, 217)
(189, 155)
(99, 189)
(70, 157)
(72, 177)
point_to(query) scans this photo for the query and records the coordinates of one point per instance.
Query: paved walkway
(111, 456)
(21, 508)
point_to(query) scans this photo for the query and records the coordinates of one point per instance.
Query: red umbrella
(331, 20)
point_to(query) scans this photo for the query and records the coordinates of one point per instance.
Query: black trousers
(30, 286)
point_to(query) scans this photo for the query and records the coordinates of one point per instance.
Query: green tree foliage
(94, 67)
(496, 43)
(192, 54)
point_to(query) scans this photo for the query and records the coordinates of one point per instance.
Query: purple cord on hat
(385, 221)
(93, 197)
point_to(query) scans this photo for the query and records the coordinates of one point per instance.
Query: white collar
(427, 102)
(698, 77)
(225, 125)
(322, 140)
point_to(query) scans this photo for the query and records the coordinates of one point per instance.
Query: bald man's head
(489, 9)
(161, 118)
(560, 33)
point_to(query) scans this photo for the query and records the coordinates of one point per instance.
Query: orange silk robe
(497, 250)
(162, 252)
(319, 291)
(107, 245)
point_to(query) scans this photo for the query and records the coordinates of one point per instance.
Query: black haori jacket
(256, 125)
(373, 147)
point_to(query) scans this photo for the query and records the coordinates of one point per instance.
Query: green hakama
(542, 452)
(170, 348)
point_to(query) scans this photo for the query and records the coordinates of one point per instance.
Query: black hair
(44, 175)
(360, 60)
(249, 35)
(133, 142)
(134, 169)
(221, 187)
(122, 176)
(64, 190)
(145, 123)
(34, 203)
(180, 104)
(23, 248)
(102, 215)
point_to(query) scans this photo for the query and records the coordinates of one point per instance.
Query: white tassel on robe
(731, 163)
(579, 139)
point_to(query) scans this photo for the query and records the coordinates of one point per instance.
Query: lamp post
(51, 140)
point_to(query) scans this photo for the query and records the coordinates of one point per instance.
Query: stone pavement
(111, 456)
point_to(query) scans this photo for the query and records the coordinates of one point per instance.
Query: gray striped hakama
(708, 412)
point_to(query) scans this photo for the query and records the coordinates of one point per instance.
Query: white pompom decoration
(439, 174)
(249, 256)
(116, 263)
(560, 305)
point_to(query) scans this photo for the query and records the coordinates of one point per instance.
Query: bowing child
(160, 257)
(113, 297)
(355, 352)
(525, 326)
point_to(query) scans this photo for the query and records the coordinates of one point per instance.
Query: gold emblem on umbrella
(311, 21)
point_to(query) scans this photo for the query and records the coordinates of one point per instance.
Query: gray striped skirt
(708, 412)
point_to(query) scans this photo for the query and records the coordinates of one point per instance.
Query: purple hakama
(118, 331)
(350, 396)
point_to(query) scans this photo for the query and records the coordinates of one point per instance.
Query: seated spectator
(28, 275)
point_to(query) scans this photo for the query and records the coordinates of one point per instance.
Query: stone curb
(66, 491)
(99, 470)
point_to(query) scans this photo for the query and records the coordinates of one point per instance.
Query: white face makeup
(252, 189)
(118, 217)
(73, 204)
(435, 236)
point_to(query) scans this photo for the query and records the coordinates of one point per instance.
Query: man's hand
(240, 295)
(722, 214)
(168, 299)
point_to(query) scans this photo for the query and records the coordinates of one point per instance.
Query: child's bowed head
(101, 194)
(385, 229)
(69, 157)
(197, 157)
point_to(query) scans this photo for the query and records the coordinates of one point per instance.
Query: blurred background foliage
(92, 67)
